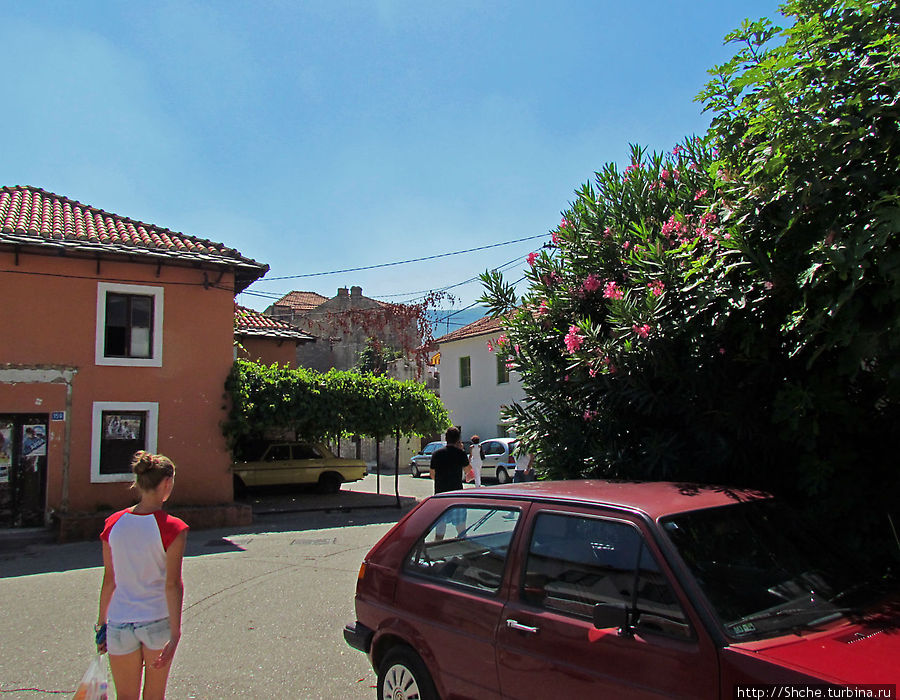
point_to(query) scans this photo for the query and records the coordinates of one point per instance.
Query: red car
(592, 589)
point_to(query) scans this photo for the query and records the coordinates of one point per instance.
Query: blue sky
(325, 135)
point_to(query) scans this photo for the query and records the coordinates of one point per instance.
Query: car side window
(466, 545)
(493, 448)
(305, 452)
(576, 562)
(278, 453)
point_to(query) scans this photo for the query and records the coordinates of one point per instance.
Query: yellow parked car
(279, 463)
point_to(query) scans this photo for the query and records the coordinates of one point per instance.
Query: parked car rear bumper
(358, 636)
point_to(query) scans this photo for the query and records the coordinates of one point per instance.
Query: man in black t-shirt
(448, 462)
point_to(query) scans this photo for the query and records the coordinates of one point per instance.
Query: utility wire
(405, 262)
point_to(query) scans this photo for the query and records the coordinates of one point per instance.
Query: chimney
(355, 291)
(342, 291)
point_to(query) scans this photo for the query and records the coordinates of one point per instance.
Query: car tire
(414, 470)
(330, 482)
(502, 475)
(402, 674)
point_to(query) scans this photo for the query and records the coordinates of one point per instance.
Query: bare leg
(155, 679)
(126, 672)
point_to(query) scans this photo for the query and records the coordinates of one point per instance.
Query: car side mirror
(608, 615)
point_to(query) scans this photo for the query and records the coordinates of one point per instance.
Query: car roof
(653, 498)
(503, 439)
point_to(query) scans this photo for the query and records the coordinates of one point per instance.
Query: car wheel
(403, 676)
(330, 482)
(414, 469)
(502, 475)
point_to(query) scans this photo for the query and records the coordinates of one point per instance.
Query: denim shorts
(127, 637)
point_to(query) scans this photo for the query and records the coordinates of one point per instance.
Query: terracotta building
(266, 340)
(115, 335)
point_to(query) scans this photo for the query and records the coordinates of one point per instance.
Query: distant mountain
(446, 320)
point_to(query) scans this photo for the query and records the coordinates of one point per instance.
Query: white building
(474, 381)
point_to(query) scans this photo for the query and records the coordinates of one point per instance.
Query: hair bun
(142, 462)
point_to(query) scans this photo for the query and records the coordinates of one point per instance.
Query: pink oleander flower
(510, 364)
(555, 238)
(532, 258)
(543, 308)
(550, 279)
(516, 348)
(664, 174)
(501, 340)
(677, 150)
(675, 174)
(591, 284)
(611, 291)
(607, 232)
(592, 372)
(642, 331)
(656, 287)
(564, 223)
(699, 194)
(490, 346)
(590, 415)
(573, 339)
(626, 245)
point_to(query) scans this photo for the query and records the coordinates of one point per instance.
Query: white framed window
(118, 430)
(129, 325)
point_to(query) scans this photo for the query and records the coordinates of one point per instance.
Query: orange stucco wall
(268, 351)
(48, 318)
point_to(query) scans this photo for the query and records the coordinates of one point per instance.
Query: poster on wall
(122, 426)
(6, 432)
(34, 440)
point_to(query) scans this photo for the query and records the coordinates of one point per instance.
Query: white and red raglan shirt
(139, 544)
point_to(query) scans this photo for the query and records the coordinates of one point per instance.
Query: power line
(405, 262)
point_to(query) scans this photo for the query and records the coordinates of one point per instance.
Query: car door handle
(513, 624)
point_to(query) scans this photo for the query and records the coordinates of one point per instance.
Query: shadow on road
(274, 510)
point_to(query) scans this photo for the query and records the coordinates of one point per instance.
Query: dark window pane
(123, 435)
(141, 312)
(128, 326)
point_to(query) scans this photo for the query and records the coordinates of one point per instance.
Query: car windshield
(762, 570)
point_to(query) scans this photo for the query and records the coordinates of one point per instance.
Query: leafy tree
(728, 312)
(376, 357)
(269, 401)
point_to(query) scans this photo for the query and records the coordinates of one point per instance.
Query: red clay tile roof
(31, 216)
(483, 326)
(248, 322)
(301, 301)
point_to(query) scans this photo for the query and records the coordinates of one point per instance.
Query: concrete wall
(476, 408)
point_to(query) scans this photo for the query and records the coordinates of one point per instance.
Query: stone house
(342, 326)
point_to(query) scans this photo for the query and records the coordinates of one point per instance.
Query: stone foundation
(76, 527)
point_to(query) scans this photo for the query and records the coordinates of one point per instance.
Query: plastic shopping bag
(470, 474)
(94, 683)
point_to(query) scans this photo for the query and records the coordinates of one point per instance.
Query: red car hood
(864, 652)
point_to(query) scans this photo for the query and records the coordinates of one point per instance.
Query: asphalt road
(264, 608)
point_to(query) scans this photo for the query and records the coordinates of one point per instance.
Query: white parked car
(421, 462)
(499, 461)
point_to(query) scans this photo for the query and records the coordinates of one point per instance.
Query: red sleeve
(108, 525)
(169, 527)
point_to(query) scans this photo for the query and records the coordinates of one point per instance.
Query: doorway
(23, 469)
